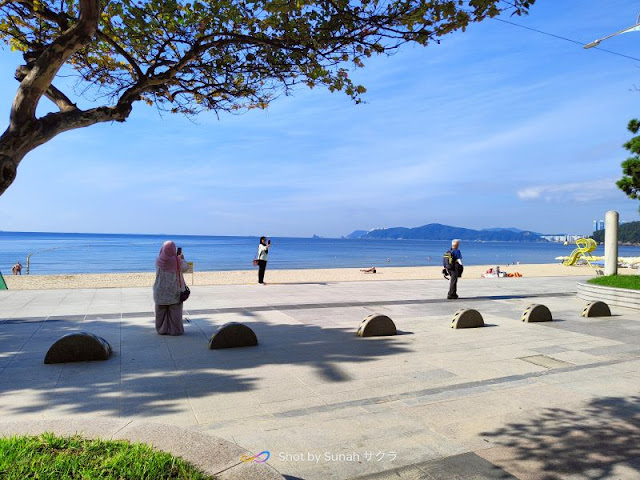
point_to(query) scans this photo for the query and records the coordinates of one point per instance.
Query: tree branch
(60, 99)
(122, 52)
(46, 66)
(56, 96)
(46, 14)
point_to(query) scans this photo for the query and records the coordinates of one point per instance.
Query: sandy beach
(242, 277)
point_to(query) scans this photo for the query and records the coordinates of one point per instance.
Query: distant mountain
(356, 234)
(437, 231)
(510, 229)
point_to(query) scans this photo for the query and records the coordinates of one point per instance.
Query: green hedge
(618, 281)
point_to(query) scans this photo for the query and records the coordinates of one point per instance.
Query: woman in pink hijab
(166, 290)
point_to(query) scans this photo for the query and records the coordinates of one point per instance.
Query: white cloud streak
(581, 192)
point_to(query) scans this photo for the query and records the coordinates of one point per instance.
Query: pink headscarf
(167, 257)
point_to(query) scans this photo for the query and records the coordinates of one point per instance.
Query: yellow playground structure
(585, 247)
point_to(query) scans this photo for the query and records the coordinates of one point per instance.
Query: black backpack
(447, 260)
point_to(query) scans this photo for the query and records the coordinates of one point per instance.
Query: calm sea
(58, 253)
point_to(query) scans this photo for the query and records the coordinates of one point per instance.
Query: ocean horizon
(72, 253)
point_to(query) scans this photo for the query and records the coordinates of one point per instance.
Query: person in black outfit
(263, 252)
(453, 267)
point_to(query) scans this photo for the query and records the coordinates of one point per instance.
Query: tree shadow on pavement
(151, 375)
(587, 442)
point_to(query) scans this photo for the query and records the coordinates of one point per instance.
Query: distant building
(598, 225)
(561, 238)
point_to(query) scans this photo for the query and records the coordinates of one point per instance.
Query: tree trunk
(13, 148)
(8, 168)
(18, 140)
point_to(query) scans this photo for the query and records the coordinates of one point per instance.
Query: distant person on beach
(452, 263)
(17, 269)
(261, 257)
(166, 290)
(369, 270)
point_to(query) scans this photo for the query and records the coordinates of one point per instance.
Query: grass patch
(47, 456)
(618, 281)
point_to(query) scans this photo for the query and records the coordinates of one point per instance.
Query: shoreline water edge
(279, 277)
(72, 254)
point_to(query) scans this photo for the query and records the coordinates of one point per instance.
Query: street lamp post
(633, 28)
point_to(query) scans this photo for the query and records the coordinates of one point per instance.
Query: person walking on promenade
(453, 265)
(167, 288)
(263, 253)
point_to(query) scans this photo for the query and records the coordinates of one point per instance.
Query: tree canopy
(186, 56)
(630, 181)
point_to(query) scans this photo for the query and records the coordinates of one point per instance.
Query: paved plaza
(510, 400)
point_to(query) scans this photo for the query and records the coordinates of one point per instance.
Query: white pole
(611, 243)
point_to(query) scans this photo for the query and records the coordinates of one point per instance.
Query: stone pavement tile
(468, 466)
(444, 394)
(231, 429)
(411, 384)
(359, 389)
(468, 435)
(613, 350)
(547, 350)
(577, 358)
(100, 427)
(468, 369)
(215, 415)
(357, 396)
(149, 381)
(391, 451)
(18, 373)
(583, 346)
(618, 385)
(183, 419)
(278, 394)
(331, 432)
(208, 384)
(87, 377)
(295, 404)
(373, 370)
(542, 395)
(88, 411)
(308, 417)
(628, 470)
(24, 359)
(154, 403)
(403, 473)
(318, 379)
(17, 403)
(459, 409)
(514, 366)
(203, 402)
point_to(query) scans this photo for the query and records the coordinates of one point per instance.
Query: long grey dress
(166, 296)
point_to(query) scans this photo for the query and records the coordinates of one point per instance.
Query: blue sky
(497, 126)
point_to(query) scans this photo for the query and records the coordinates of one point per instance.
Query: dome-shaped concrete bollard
(233, 335)
(537, 313)
(78, 347)
(468, 318)
(596, 309)
(376, 325)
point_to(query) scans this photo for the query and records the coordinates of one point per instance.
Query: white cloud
(576, 191)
